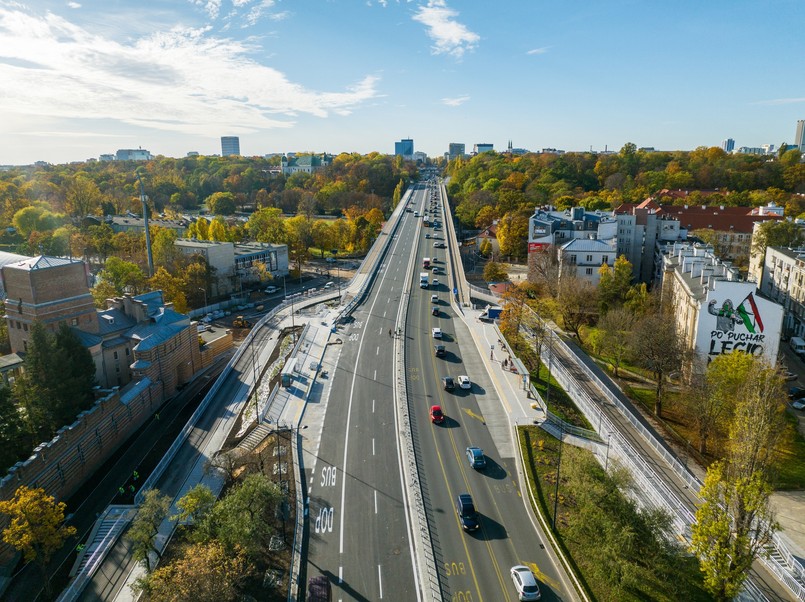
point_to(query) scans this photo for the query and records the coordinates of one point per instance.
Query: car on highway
(524, 583)
(436, 332)
(434, 298)
(476, 458)
(427, 235)
(448, 383)
(438, 350)
(437, 269)
(436, 414)
(467, 514)
(270, 290)
(435, 282)
(434, 311)
(464, 382)
(438, 245)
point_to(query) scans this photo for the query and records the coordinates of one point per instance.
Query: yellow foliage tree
(36, 527)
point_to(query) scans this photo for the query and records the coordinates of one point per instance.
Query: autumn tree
(82, 197)
(657, 347)
(195, 505)
(779, 233)
(123, 275)
(512, 235)
(268, 225)
(614, 283)
(733, 525)
(495, 272)
(612, 337)
(543, 270)
(221, 203)
(36, 527)
(577, 300)
(206, 572)
(172, 288)
(145, 526)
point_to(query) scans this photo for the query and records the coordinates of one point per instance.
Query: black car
(467, 515)
(434, 311)
(438, 350)
(448, 383)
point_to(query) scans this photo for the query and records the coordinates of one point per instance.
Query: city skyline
(87, 78)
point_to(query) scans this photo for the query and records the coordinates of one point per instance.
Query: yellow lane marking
(472, 414)
(543, 577)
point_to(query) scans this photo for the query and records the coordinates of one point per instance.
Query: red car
(436, 415)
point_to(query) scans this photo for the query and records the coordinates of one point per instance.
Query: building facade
(405, 148)
(583, 257)
(783, 280)
(455, 150)
(714, 311)
(230, 145)
(728, 145)
(133, 154)
(304, 164)
(482, 147)
(799, 135)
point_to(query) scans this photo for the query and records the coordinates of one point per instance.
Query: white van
(798, 345)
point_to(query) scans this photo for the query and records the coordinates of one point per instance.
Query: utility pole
(558, 466)
(147, 230)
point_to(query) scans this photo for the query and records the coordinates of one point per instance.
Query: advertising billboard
(735, 318)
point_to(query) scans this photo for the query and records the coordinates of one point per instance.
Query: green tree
(73, 380)
(145, 526)
(102, 291)
(613, 340)
(578, 303)
(494, 272)
(268, 225)
(732, 526)
(195, 505)
(123, 275)
(36, 527)
(83, 197)
(172, 288)
(512, 235)
(14, 442)
(221, 203)
(164, 250)
(780, 233)
(395, 199)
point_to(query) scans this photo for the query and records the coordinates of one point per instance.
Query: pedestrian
(135, 475)
(121, 491)
(389, 332)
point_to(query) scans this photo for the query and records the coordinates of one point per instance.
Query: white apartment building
(783, 280)
(583, 257)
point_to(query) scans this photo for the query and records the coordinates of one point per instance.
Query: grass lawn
(559, 403)
(540, 453)
(792, 451)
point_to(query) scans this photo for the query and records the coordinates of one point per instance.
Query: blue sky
(85, 77)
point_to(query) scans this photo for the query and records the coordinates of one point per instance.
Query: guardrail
(682, 516)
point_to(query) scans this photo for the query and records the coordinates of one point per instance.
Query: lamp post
(204, 290)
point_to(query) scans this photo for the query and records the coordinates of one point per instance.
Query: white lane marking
(375, 376)
(373, 406)
(340, 574)
(384, 314)
(373, 446)
(380, 580)
(377, 351)
(375, 501)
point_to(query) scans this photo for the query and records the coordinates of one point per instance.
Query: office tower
(404, 147)
(799, 139)
(728, 145)
(455, 150)
(230, 145)
(483, 147)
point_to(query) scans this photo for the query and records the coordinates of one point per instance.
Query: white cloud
(542, 50)
(182, 80)
(454, 102)
(73, 5)
(211, 7)
(449, 36)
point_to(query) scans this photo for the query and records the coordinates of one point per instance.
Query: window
(127, 352)
(74, 322)
(25, 345)
(589, 271)
(589, 257)
(25, 327)
(115, 354)
(605, 259)
(572, 260)
(117, 368)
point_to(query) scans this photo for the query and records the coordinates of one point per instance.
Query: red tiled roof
(697, 217)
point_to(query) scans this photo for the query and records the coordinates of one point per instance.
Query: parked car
(476, 458)
(524, 583)
(795, 393)
(447, 383)
(799, 404)
(436, 414)
(330, 260)
(271, 290)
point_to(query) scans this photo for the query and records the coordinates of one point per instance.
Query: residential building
(232, 264)
(455, 150)
(751, 150)
(6, 258)
(714, 311)
(583, 257)
(404, 148)
(132, 339)
(799, 136)
(782, 279)
(768, 149)
(133, 154)
(133, 223)
(420, 157)
(306, 163)
(230, 145)
(106, 157)
(482, 147)
(728, 145)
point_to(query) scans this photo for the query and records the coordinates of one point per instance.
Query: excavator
(241, 322)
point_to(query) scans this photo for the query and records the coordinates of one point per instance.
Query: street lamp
(204, 290)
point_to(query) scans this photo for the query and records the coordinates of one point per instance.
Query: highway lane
(358, 534)
(473, 566)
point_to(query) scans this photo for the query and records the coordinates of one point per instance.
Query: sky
(82, 78)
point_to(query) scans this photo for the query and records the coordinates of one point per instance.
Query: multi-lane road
(359, 526)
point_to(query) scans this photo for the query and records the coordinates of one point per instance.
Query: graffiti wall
(735, 318)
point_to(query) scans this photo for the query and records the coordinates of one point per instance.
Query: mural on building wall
(737, 319)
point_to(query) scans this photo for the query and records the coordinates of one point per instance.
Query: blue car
(476, 458)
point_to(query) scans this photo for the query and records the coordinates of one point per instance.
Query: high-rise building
(404, 147)
(455, 150)
(482, 147)
(230, 145)
(728, 145)
(799, 139)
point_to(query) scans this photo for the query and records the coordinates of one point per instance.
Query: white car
(524, 583)
(435, 282)
(271, 290)
(434, 298)
(437, 334)
(464, 382)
